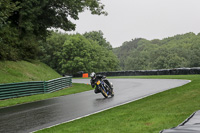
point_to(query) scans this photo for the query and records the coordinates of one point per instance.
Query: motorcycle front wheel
(103, 92)
(111, 91)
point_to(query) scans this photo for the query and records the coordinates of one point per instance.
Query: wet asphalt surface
(38, 115)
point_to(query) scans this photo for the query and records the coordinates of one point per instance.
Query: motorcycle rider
(95, 78)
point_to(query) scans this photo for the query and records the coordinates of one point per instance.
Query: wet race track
(38, 115)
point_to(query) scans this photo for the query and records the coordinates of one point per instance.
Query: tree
(68, 54)
(7, 7)
(125, 51)
(81, 54)
(98, 37)
(24, 23)
(195, 54)
(36, 16)
(172, 52)
(50, 51)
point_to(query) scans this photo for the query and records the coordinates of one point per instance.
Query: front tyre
(103, 92)
(112, 92)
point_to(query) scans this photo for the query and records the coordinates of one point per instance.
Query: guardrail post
(45, 86)
(70, 79)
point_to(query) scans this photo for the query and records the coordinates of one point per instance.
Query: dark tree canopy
(23, 23)
(7, 7)
(36, 16)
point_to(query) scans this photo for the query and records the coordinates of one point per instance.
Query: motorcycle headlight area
(111, 84)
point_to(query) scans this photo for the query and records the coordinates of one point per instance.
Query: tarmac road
(38, 115)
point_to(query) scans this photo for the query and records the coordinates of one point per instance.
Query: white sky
(150, 19)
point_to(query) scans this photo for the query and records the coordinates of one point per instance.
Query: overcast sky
(150, 19)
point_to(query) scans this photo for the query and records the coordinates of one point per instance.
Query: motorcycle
(105, 87)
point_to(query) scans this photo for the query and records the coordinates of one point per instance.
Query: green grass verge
(22, 71)
(149, 115)
(76, 88)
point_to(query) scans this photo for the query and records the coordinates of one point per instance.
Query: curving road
(38, 115)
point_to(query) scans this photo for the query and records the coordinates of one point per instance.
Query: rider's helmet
(92, 75)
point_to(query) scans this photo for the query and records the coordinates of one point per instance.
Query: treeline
(25, 23)
(69, 54)
(25, 35)
(172, 52)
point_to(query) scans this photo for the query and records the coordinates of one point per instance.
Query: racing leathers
(93, 82)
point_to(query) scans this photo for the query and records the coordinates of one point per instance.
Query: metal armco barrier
(57, 84)
(176, 71)
(13, 90)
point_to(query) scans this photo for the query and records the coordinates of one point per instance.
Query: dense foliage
(98, 37)
(25, 22)
(69, 54)
(172, 52)
(24, 34)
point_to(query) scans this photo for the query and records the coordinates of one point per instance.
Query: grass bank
(149, 115)
(21, 71)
